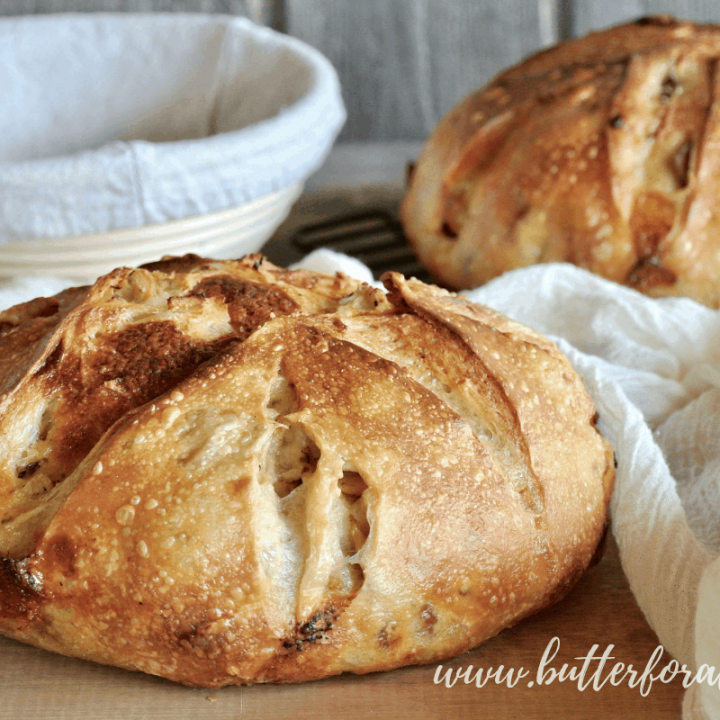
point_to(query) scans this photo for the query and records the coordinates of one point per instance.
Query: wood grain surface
(592, 15)
(259, 10)
(403, 64)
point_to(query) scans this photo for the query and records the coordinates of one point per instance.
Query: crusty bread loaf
(601, 152)
(224, 473)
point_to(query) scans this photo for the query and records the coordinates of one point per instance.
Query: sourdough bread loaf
(227, 473)
(601, 151)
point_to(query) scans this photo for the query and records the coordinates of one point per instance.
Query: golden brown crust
(25, 329)
(136, 334)
(599, 152)
(352, 481)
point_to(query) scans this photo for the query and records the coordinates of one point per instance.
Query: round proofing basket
(206, 155)
(225, 234)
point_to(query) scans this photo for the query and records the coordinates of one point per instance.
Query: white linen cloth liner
(120, 120)
(653, 370)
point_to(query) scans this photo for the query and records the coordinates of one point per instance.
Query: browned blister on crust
(600, 152)
(322, 477)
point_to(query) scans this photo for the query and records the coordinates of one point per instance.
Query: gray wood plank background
(404, 63)
(592, 14)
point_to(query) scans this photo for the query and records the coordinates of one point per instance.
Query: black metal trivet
(373, 236)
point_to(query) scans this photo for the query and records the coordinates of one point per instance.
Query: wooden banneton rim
(224, 234)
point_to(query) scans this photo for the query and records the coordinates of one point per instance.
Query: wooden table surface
(601, 610)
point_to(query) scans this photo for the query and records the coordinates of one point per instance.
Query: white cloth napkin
(115, 121)
(653, 369)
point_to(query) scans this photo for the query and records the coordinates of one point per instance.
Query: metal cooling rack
(373, 236)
